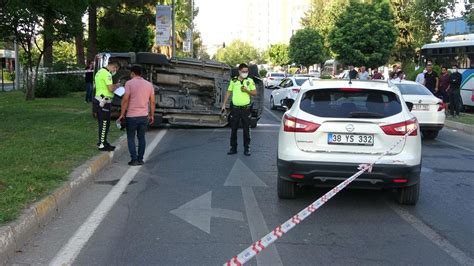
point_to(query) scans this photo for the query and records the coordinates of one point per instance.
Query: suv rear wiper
(365, 115)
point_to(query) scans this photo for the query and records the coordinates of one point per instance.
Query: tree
(24, 21)
(364, 34)
(307, 48)
(469, 14)
(237, 52)
(323, 15)
(278, 54)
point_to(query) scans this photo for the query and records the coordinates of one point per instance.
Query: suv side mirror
(287, 103)
(410, 105)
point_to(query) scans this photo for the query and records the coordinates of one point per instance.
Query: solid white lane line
(274, 115)
(455, 145)
(71, 250)
(457, 254)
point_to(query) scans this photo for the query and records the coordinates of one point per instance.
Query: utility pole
(173, 29)
(17, 66)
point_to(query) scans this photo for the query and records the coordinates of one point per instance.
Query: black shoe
(110, 146)
(141, 162)
(133, 163)
(232, 151)
(106, 148)
(247, 153)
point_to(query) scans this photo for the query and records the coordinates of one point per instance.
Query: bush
(325, 77)
(59, 85)
(411, 73)
(6, 75)
(262, 72)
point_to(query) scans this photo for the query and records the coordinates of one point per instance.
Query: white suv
(334, 126)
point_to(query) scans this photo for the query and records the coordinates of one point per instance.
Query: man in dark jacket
(454, 91)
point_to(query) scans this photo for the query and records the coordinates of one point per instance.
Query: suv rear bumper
(431, 126)
(330, 174)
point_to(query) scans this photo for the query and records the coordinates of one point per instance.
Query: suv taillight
(293, 124)
(441, 106)
(400, 129)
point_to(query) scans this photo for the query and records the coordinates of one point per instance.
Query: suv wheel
(286, 189)
(272, 103)
(430, 134)
(408, 195)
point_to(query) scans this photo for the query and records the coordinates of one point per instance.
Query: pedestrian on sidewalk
(420, 78)
(443, 84)
(104, 92)
(89, 80)
(431, 79)
(352, 72)
(138, 109)
(454, 91)
(240, 88)
(363, 75)
(377, 75)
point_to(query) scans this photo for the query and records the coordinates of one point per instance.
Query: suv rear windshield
(350, 103)
(413, 89)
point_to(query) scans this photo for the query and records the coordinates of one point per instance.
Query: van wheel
(272, 104)
(430, 134)
(286, 189)
(408, 195)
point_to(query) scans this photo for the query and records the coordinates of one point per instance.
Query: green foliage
(60, 85)
(237, 52)
(325, 77)
(364, 34)
(262, 72)
(64, 52)
(278, 54)
(7, 77)
(307, 47)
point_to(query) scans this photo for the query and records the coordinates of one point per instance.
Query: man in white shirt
(420, 78)
(363, 75)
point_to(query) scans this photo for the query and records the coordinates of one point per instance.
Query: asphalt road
(191, 204)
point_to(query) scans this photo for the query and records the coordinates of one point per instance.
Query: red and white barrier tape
(278, 232)
(69, 72)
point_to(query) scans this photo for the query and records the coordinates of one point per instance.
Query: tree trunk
(48, 40)
(80, 48)
(92, 41)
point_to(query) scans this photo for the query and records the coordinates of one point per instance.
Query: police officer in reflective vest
(241, 88)
(104, 92)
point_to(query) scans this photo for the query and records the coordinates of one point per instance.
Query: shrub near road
(41, 141)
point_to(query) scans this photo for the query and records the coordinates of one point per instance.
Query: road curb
(14, 235)
(460, 126)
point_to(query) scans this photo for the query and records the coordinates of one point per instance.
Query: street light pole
(173, 30)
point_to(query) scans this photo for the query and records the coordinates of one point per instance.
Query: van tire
(408, 195)
(152, 59)
(286, 189)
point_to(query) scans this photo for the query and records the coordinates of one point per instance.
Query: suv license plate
(351, 139)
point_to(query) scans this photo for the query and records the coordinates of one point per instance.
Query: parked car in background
(273, 79)
(288, 88)
(334, 126)
(428, 109)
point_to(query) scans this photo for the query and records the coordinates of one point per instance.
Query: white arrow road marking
(198, 212)
(241, 176)
(70, 251)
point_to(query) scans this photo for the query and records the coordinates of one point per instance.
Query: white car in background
(272, 79)
(334, 126)
(288, 88)
(428, 109)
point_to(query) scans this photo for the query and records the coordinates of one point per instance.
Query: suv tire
(272, 104)
(152, 59)
(286, 189)
(408, 195)
(430, 134)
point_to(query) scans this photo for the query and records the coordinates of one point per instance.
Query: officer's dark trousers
(454, 101)
(238, 115)
(103, 118)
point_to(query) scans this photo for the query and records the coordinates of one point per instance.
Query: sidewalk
(467, 128)
(14, 235)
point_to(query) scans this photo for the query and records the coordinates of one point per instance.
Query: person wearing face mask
(104, 92)
(240, 88)
(454, 92)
